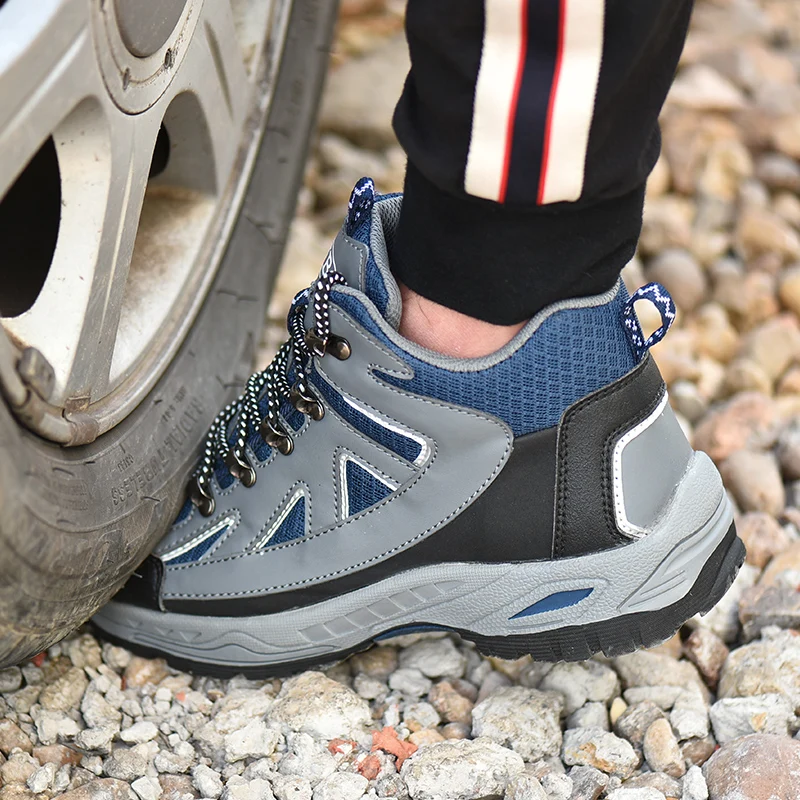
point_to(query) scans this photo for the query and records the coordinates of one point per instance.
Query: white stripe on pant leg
(494, 94)
(573, 105)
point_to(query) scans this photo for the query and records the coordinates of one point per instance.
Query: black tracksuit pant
(530, 127)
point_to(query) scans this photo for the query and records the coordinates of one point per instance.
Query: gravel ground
(709, 714)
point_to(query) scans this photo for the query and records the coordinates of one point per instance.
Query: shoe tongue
(360, 251)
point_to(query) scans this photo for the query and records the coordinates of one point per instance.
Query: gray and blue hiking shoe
(540, 500)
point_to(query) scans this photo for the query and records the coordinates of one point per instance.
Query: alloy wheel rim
(152, 155)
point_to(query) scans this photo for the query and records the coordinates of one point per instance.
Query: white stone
(600, 749)
(557, 786)
(689, 715)
(460, 769)
(139, 732)
(423, 715)
(694, 784)
(410, 681)
(238, 788)
(207, 781)
(147, 788)
(641, 793)
(733, 717)
(98, 739)
(580, 682)
(591, 715)
(180, 760)
(341, 786)
(62, 779)
(307, 759)
(436, 658)
(255, 740)
(313, 703)
(97, 711)
(52, 726)
(40, 780)
(526, 720)
(291, 788)
(525, 787)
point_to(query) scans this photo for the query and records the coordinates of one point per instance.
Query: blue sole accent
(409, 629)
(553, 602)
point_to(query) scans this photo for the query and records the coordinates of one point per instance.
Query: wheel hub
(140, 46)
(145, 27)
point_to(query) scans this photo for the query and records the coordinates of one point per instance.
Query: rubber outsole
(612, 637)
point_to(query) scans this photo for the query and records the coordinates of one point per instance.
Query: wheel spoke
(226, 99)
(106, 159)
(46, 68)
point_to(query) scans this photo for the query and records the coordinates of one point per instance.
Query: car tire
(75, 522)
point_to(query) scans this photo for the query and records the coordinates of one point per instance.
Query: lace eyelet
(314, 343)
(338, 347)
(276, 437)
(202, 499)
(240, 467)
(307, 404)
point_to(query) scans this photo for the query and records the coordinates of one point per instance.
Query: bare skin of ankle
(449, 332)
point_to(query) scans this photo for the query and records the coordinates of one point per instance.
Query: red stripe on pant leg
(512, 111)
(562, 18)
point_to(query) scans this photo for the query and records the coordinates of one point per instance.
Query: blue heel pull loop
(661, 299)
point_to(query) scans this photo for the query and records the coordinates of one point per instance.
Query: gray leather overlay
(653, 464)
(466, 450)
(350, 258)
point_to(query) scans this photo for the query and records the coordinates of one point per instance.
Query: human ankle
(449, 332)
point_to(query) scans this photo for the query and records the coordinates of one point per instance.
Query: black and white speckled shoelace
(237, 421)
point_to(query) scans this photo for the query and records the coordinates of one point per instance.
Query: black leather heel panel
(144, 585)
(589, 429)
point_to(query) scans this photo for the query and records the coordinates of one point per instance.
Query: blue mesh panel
(259, 447)
(294, 418)
(186, 509)
(223, 474)
(198, 551)
(363, 488)
(294, 526)
(573, 353)
(397, 443)
(373, 282)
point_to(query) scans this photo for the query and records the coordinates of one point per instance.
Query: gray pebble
(341, 786)
(600, 749)
(125, 765)
(732, 717)
(207, 781)
(588, 783)
(288, 788)
(591, 715)
(410, 681)
(147, 788)
(526, 720)
(435, 658)
(10, 679)
(557, 786)
(694, 784)
(40, 780)
(460, 770)
(525, 787)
